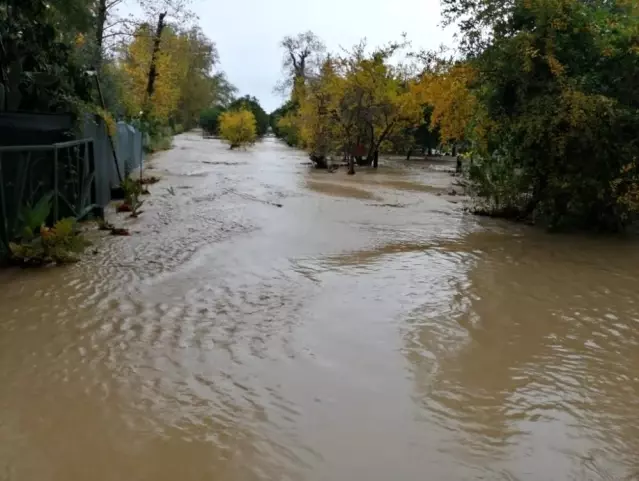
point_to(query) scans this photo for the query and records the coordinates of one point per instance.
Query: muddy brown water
(366, 330)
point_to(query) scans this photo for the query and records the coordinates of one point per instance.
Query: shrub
(41, 245)
(157, 143)
(238, 128)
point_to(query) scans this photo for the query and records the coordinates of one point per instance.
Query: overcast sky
(248, 32)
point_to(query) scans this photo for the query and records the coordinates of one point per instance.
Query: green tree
(39, 71)
(210, 119)
(252, 104)
(198, 87)
(554, 85)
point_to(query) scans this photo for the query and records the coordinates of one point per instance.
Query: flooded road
(367, 330)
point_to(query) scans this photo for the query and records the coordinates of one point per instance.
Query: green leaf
(86, 211)
(34, 217)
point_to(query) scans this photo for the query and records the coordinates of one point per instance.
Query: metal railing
(29, 172)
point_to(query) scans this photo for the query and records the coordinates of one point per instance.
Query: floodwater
(366, 330)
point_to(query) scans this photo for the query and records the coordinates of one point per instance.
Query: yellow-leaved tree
(319, 129)
(456, 111)
(355, 104)
(238, 128)
(171, 67)
(385, 101)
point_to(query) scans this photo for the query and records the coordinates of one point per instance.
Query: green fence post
(55, 184)
(5, 234)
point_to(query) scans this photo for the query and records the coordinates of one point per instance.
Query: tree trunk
(150, 86)
(430, 151)
(454, 150)
(458, 167)
(409, 153)
(99, 34)
(370, 155)
(375, 159)
(319, 161)
(351, 165)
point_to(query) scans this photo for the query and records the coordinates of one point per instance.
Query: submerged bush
(238, 128)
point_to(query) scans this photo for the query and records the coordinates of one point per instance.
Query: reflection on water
(328, 339)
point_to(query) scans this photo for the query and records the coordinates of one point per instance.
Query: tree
(351, 106)
(557, 114)
(378, 99)
(453, 105)
(38, 68)
(317, 126)
(253, 105)
(238, 128)
(199, 89)
(185, 83)
(170, 70)
(112, 29)
(210, 119)
(302, 57)
(223, 90)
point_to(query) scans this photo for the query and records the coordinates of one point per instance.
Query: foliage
(551, 91)
(185, 84)
(210, 119)
(253, 105)
(171, 73)
(31, 217)
(287, 128)
(223, 90)
(159, 143)
(238, 128)
(133, 190)
(198, 89)
(38, 244)
(453, 103)
(354, 105)
(39, 71)
(282, 122)
(59, 244)
(108, 120)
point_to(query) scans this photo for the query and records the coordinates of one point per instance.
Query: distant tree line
(542, 105)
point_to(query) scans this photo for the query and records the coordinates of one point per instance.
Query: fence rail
(79, 174)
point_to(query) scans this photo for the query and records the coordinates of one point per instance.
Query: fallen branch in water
(222, 162)
(152, 179)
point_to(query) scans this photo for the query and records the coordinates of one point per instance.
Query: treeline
(157, 70)
(541, 101)
(210, 118)
(354, 104)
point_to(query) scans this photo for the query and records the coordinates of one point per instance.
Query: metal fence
(129, 152)
(80, 174)
(29, 172)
